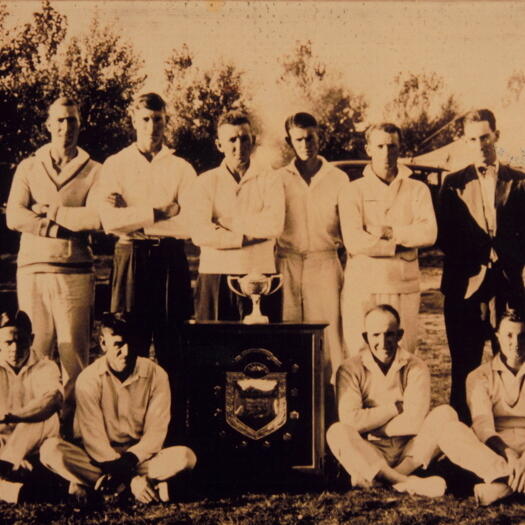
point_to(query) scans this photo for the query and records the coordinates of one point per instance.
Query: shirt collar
(44, 155)
(403, 172)
(321, 173)
(495, 165)
(252, 172)
(31, 361)
(499, 366)
(163, 152)
(400, 360)
(138, 371)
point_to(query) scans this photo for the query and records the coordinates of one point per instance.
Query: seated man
(384, 431)
(496, 399)
(30, 398)
(122, 416)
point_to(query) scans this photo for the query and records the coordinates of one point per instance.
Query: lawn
(333, 504)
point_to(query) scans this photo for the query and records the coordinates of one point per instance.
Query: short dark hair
(513, 315)
(151, 101)
(480, 115)
(385, 308)
(120, 323)
(301, 120)
(18, 319)
(233, 117)
(387, 127)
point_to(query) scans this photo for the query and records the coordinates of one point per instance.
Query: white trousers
(312, 292)
(74, 464)
(59, 306)
(26, 439)
(356, 302)
(441, 432)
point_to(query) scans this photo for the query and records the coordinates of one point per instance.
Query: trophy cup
(254, 285)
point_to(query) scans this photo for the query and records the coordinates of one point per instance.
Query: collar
(31, 361)
(68, 171)
(496, 166)
(321, 173)
(498, 365)
(401, 359)
(140, 369)
(403, 172)
(252, 172)
(163, 152)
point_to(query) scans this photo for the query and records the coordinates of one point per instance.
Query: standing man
(123, 412)
(307, 248)
(237, 213)
(144, 195)
(30, 398)
(482, 234)
(385, 217)
(52, 204)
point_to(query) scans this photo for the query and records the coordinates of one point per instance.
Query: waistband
(151, 241)
(320, 254)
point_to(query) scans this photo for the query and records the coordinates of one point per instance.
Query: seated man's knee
(339, 433)
(189, 458)
(443, 414)
(50, 451)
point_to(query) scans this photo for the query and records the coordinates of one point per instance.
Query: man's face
(382, 335)
(149, 125)
(481, 140)
(236, 143)
(383, 149)
(119, 353)
(63, 123)
(511, 337)
(15, 345)
(305, 142)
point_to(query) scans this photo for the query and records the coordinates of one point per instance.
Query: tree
(196, 98)
(322, 92)
(423, 109)
(102, 72)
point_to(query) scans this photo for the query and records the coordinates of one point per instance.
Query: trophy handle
(233, 279)
(279, 277)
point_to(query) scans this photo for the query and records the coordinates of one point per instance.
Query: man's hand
(517, 467)
(40, 209)
(143, 490)
(382, 232)
(118, 471)
(166, 212)
(116, 200)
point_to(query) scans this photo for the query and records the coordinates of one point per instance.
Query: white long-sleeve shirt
(223, 211)
(367, 397)
(405, 205)
(312, 210)
(496, 398)
(71, 199)
(144, 186)
(111, 413)
(36, 379)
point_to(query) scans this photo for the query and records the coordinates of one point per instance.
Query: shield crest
(256, 407)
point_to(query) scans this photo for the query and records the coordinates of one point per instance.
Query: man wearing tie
(481, 219)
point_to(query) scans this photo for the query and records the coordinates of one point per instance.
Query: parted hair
(387, 127)
(233, 117)
(18, 319)
(151, 101)
(301, 120)
(120, 323)
(514, 315)
(479, 115)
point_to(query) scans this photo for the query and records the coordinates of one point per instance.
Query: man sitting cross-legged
(384, 431)
(122, 416)
(30, 398)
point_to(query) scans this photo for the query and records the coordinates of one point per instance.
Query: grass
(332, 506)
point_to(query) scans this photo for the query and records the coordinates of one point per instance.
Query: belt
(320, 254)
(152, 241)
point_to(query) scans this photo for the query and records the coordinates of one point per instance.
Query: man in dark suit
(481, 220)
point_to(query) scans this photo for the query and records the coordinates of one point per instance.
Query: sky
(475, 46)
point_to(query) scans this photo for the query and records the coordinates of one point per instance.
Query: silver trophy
(254, 285)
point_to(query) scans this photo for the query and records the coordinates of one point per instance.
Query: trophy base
(256, 319)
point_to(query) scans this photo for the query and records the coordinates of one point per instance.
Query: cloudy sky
(476, 46)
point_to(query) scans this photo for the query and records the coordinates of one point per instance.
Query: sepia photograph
(262, 262)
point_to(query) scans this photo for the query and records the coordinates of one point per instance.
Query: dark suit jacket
(463, 236)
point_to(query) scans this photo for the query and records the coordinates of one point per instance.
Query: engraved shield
(256, 407)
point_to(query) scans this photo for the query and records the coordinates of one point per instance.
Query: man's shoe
(488, 493)
(9, 491)
(432, 487)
